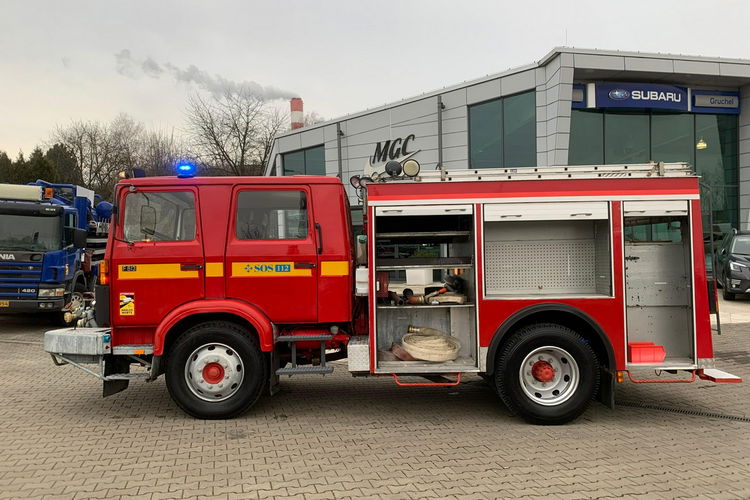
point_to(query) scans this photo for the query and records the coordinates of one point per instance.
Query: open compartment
(417, 251)
(658, 284)
(546, 249)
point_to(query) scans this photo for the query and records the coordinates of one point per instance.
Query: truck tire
(215, 370)
(547, 374)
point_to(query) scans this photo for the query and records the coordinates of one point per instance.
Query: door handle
(305, 265)
(191, 267)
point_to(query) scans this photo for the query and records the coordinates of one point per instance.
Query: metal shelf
(424, 306)
(424, 235)
(424, 262)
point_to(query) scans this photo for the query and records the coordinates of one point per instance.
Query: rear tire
(547, 374)
(216, 370)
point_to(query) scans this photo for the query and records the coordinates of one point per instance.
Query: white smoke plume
(131, 67)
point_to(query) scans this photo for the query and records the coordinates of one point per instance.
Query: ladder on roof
(635, 170)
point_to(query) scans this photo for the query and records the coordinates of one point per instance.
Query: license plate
(4, 303)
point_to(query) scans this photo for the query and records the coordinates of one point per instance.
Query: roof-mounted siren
(185, 170)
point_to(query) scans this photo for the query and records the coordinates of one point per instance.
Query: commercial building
(573, 107)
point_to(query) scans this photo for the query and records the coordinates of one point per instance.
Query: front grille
(20, 280)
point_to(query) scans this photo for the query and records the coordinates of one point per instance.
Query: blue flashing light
(185, 170)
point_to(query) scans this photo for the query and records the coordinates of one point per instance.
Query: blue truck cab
(52, 237)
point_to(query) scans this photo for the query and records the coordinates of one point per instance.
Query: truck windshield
(30, 232)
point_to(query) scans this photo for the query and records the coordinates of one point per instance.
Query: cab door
(272, 252)
(157, 256)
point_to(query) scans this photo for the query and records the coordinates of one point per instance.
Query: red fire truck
(552, 283)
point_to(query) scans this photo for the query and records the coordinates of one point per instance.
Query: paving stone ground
(345, 437)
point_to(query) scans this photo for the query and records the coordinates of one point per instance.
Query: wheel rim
(76, 301)
(214, 372)
(549, 375)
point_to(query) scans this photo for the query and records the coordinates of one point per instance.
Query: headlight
(51, 292)
(736, 266)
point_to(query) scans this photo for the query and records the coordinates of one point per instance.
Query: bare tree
(103, 150)
(312, 118)
(232, 133)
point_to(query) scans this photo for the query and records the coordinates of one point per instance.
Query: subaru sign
(641, 95)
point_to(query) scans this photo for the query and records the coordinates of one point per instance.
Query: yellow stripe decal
(260, 269)
(153, 271)
(334, 268)
(214, 269)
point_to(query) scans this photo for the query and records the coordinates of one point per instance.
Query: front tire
(547, 374)
(216, 370)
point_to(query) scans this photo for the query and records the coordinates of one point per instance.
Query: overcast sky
(69, 60)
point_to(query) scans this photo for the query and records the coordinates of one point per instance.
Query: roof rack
(651, 169)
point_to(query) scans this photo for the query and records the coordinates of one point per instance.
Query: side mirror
(148, 220)
(79, 238)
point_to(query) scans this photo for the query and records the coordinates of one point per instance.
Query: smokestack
(297, 114)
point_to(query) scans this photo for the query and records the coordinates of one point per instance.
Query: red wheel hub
(213, 373)
(543, 371)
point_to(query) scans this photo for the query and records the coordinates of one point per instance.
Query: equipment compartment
(440, 242)
(547, 257)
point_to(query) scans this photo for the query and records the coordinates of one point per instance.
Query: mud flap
(115, 365)
(606, 394)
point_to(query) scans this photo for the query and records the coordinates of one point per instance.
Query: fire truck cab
(551, 283)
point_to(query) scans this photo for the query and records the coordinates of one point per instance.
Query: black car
(733, 264)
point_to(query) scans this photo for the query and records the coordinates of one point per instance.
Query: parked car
(733, 264)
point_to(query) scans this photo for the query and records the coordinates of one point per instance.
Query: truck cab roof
(208, 181)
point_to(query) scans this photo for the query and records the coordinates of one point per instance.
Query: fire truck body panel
(566, 283)
(605, 313)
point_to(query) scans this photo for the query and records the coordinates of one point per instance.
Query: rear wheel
(216, 370)
(547, 374)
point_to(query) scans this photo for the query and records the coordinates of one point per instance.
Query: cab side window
(159, 216)
(271, 215)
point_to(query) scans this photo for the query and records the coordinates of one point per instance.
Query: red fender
(251, 314)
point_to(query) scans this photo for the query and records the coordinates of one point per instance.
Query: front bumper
(82, 345)
(31, 305)
(737, 283)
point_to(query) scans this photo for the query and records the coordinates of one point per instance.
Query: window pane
(672, 137)
(664, 228)
(166, 216)
(294, 163)
(626, 138)
(315, 161)
(586, 138)
(271, 215)
(519, 128)
(716, 152)
(485, 135)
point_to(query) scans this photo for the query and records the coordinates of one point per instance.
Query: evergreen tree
(5, 167)
(63, 162)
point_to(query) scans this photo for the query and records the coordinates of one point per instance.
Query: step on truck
(554, 284)
(52, 237)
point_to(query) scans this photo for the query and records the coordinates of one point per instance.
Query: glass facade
(502, 132)
(310, 161)
(707, 141)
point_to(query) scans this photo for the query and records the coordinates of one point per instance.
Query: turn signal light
(620, 377)
(104, 272)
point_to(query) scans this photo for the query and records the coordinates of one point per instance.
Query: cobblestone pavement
(339, 436)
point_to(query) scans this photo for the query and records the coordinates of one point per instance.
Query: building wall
(552, 79)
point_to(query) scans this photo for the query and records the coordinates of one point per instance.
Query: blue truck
(52, 237)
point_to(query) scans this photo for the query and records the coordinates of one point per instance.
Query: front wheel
(216, 370)
(547, 374)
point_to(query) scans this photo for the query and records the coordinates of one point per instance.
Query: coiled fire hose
(429, 344)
